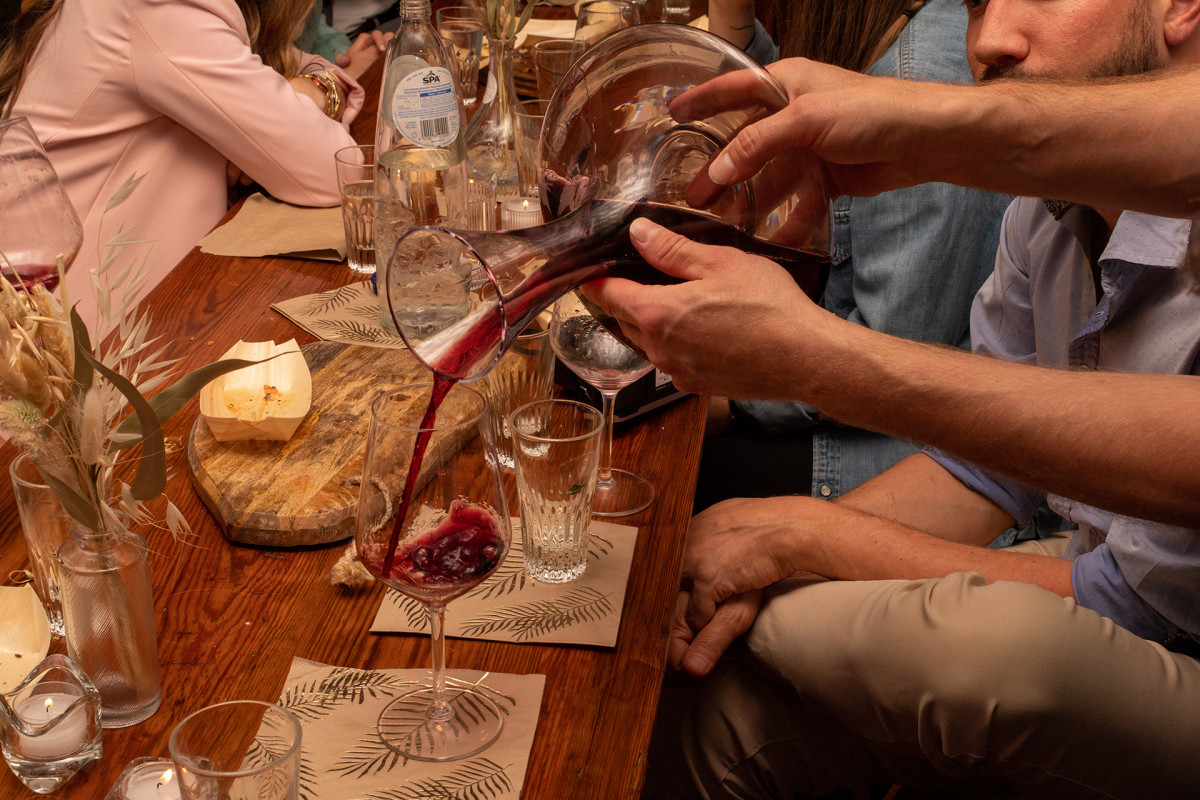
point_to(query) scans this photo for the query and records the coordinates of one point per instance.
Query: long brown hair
(272, 24)
(851, 34)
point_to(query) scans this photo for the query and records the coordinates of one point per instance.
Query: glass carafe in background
(420, 174)
(610, 152)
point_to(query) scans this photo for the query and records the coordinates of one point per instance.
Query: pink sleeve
(192, 62)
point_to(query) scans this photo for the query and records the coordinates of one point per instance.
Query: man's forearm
(1131, 144)
(1127, 443)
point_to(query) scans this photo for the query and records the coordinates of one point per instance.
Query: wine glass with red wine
(582, 343)
(38, 224)
(433, 524)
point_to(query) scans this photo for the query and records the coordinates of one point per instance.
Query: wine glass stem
(608, 405)
(439, 709)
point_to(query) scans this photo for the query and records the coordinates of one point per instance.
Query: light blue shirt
(906, 262)
(1040, 307)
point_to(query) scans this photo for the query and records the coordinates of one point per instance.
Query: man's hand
(362, 52)
(734, 550)
(737, 326)
(840, 133)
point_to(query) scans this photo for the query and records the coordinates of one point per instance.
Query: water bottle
(420, 169)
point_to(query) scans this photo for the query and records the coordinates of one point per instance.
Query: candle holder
(146, 778)
(52, 725)
(520, 212)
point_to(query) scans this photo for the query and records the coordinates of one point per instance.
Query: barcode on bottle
(438, 126)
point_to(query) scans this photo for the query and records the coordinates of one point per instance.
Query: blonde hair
(273, 26)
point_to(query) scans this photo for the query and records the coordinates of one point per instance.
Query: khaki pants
(952, 683)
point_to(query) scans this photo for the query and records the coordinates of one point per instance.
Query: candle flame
(165, 778)
(524, 205)
(49, 705)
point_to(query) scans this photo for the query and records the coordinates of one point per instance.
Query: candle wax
(66, 738)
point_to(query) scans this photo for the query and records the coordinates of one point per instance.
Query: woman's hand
(363, 52)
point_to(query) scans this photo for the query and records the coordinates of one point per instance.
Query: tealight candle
(148, 779)
(520, 212)
(67, 737)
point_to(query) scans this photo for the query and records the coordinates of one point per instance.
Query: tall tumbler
(46, 526)
(557, 451)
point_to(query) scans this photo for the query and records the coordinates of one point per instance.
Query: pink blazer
(169, 88)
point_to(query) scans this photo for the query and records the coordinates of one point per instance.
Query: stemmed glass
(432, 524)
(38, 224)
(596, 356)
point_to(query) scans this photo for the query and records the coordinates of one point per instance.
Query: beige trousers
(983, 689)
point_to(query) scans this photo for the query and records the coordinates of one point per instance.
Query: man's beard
(1137, 53)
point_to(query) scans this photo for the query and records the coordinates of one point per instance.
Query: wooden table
(231, 618)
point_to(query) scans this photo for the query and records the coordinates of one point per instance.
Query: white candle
(153, 780)
(66, 738)
(519, 212)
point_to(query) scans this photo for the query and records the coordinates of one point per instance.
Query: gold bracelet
(332, 90)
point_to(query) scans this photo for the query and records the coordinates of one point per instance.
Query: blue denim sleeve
(761, 47)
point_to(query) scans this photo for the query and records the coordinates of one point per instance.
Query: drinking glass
(432, 524)
(599, 18)
(462, 27)
(244, 749)
(551, 58)
(38, 224)
(596, 356)
(524, 374)
(677, 11)
(557, 449)
(356, 182)
(46, 526)
(528, 117)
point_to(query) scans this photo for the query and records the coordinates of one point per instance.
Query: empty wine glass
(599, 18)
(38, 224)
(432, 524)
(596, 356)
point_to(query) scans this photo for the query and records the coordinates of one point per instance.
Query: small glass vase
(491, 136)
(109, 614)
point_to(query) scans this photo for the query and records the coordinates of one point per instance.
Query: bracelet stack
(335, 97)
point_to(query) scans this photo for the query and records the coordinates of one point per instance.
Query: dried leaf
(170, 400)
(124, 190)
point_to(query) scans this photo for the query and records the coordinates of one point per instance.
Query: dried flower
(503, 21)
(65, 401)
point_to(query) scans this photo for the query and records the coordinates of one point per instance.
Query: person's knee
(916, 659)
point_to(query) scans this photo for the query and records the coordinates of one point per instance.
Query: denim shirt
(1040, 307)
(906, 262)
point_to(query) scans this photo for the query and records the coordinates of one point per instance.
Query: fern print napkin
(342, 757)
(512, 607)
(349, 314)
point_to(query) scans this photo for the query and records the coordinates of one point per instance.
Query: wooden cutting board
(303, 491)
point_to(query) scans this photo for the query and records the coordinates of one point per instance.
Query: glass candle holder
(146, 779)
(52, 725)
(520, 212)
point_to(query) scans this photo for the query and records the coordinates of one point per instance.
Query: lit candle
(151, 780)
(519, 212)
(67, 737)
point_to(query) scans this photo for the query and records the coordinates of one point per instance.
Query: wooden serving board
(303, 491)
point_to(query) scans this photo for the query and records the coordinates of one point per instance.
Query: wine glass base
(472, 724)
(626, 494)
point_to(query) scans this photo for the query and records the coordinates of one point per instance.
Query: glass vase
(109, 614)
(491, 135)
